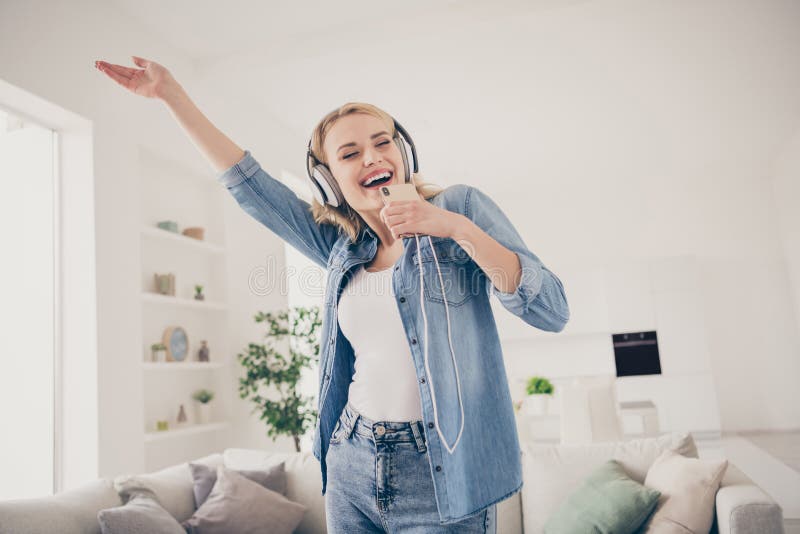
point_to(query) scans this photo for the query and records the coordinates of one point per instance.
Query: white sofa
(741, 507)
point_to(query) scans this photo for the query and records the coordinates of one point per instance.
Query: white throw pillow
(688, 492)
(552, 472)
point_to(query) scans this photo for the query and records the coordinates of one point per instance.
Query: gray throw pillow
(204, 477)
(239, 505)
(141, 513)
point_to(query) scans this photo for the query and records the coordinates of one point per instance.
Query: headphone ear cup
(326, 183)
(404, 155)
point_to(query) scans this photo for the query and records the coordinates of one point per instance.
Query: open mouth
(378, 180)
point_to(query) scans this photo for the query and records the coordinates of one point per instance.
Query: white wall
(609, 131)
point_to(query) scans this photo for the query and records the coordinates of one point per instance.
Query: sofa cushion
(204, 477)
(173, 486)
(552, 472)
(303, 480)
(140, 513)
(72, 511)
(688, 489)
(608, 502)
(237, 504)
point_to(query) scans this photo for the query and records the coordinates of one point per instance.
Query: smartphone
(399, 192)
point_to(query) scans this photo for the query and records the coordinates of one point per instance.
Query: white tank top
(384, 386)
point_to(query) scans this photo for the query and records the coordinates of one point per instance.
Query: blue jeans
(379, 480)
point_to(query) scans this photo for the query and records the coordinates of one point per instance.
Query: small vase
(182, 419)
(203, 413)
(203, 352)
(536, 405)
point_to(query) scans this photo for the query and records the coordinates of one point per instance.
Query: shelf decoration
(203, 398)
(203, 352)
(196, 232)
(169, 226)
(182, 419)
(177, 342)
(165, 284)
(158, 352)
(198, 293)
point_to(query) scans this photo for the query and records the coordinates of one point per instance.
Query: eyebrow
(373, 136)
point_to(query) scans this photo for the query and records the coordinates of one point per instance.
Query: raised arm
(155, 81)
(263, 197)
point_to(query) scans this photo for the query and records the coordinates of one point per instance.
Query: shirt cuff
(529, 286)
(239, 172)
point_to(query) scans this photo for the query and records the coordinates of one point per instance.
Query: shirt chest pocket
(458, 272)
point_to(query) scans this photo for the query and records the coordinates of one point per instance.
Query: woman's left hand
(407, 217)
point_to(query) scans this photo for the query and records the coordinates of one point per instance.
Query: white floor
(771, 460)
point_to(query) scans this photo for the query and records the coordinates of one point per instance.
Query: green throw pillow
(608, 502)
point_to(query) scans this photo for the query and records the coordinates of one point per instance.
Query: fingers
(125, 72)
(140, 61)
(106, 69)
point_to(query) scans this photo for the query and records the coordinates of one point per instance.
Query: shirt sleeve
(539, 299)
(278, 208)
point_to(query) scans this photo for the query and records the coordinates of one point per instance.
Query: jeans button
(402, 299)
(430, 425)
(438, 467)
(380, 430)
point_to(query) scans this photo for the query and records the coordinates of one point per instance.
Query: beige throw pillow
(688, 489)
(239, 505)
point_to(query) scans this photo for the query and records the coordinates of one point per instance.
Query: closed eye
(351, 154)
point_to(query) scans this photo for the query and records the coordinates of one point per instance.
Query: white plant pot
(203, 413)
(536, 404)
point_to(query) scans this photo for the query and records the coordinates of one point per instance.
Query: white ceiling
(206, 30)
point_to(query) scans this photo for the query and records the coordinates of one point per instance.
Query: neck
(375, 223)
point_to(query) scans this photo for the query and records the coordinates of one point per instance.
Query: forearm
(501, 265)
(220, 151)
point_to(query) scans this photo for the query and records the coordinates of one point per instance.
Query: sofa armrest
(744, 508)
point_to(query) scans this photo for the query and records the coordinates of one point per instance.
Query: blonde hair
(344, 217)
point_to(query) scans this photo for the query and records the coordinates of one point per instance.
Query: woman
(416, 428)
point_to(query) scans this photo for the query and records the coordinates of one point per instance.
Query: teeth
(377, 177)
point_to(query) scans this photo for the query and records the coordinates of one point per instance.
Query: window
(28, 355)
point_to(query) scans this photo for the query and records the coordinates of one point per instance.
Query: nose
(371, 156)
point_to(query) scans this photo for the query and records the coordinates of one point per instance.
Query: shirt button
(422, 380)
(380, 430)
(397, 268)
(414, 341)
(430, 425)
(331, 343)
(438, 467)
(402, 299)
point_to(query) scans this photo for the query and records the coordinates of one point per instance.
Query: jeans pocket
(338, 432)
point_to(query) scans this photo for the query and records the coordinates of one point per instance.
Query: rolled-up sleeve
(278, 208)
(539, 299)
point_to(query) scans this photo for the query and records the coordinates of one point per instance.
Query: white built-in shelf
(180, 366)
(158, 233)
(185, 431)
(168, 300)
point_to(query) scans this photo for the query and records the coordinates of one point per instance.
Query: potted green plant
(203, 398)
(198, 293)
(539, 390)
(158, 352)
(271, 374)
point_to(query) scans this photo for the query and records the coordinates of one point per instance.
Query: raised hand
(151, 81)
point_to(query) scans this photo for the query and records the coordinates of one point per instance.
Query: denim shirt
(485, 466)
